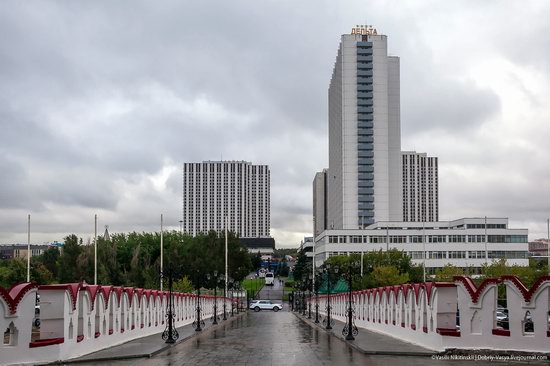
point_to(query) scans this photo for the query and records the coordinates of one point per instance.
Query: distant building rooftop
(266, 243)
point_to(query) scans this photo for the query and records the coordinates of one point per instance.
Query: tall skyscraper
(420, 187)
(319, 202)
(364, 175)
(239, 190)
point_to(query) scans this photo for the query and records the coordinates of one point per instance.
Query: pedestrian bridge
(461, 315)
(77, 319)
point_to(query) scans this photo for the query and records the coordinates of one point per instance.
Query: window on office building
(476, 254)
(437, 255)
(356, 239)
(437, 238)
(415, 239)
(416, 254)
(397, 239)
(457, 238)
(377, 239)
(457, 254)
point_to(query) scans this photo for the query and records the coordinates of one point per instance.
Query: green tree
(184, 285)
(12, 272)
(416, 273)
(256, 261)
(448, 272)
(49, 259)
(68, 269)
(388, 276)
(41, 274)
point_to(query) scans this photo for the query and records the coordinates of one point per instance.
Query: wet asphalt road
(268, 338)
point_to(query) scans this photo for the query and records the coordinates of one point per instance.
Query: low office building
(539, 248)
(10, 251)
(264, 246)
(306, 246)
(465, 243)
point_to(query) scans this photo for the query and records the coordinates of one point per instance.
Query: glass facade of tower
(365, 134)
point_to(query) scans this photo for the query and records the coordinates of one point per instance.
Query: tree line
(394, 267)
(133, 260)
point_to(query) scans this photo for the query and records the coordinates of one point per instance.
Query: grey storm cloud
(101, 102)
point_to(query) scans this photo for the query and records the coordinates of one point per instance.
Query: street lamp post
(198, 321)
(225, 297)
(304, 305)
(309, 293)
(316, 300)
(230, 289)
(327, 270)
(170, 334)
(222, 281)
(215, 278)
(350, 329)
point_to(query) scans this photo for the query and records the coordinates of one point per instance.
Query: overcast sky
(102, 101)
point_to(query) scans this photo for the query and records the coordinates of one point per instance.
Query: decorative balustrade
(76, 319)
(442, 315)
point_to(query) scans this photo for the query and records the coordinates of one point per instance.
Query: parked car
(258, 305)
(502, 319)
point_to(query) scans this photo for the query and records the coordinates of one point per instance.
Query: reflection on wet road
(267, 338)
(263, 338)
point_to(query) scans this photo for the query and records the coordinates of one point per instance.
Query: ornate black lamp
(350, 329)
(328, 270)
(170, 334)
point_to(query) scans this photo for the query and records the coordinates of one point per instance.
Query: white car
(269, 279)
(258, 305)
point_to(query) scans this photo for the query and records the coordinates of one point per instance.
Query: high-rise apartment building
(238, 190)
(364, 175)
(420, 187)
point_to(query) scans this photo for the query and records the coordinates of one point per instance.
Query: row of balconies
(365, 122)
(366, 213)
(364, 73)
(365, 184)
(363, 109)
(363, 190)
(364, 87)
(364, 94)
(366, 176)
(363, 139)
(365, 153)
(364, 58)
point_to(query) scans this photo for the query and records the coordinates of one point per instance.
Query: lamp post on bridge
(327, 269)
(230, 288)
(198, 322)
(350, 329)
(170, 334)
(309, 284)
(216, 278)
(317, 283)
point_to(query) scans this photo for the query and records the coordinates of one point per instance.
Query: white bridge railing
(441, 316)
(76, 319)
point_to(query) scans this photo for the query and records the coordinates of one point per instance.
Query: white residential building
(364, 175)
(466, 243)
(238, 190)
(420, 187)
